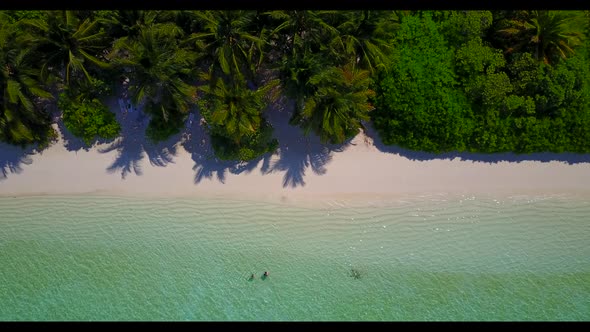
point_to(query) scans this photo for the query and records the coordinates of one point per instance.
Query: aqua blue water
(427, 259)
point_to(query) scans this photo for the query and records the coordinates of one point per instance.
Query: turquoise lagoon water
(427, 259)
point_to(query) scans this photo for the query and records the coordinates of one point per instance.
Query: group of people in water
(264, 275)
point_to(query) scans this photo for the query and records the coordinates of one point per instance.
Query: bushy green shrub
(419, 105)
(160, 129)
(250, 148)
(88, 119)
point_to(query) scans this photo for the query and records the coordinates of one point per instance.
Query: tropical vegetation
(479, 81)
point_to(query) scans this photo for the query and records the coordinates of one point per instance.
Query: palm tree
(339, 103)
(227, 44)
(550, 35)
(302, 40)
(295, 72)
(159, 70)
(67, 45)
(128, 23)
(234, 110)
(234, 113)
(299, 30)
(21, 120)
(365, 37)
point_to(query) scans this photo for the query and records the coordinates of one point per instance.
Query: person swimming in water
(252, 276)
(266, 274)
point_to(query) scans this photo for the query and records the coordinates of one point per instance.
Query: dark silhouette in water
(265, 275)
(252, 277)
(356, 274)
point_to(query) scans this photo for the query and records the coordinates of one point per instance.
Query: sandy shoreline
(303, 169)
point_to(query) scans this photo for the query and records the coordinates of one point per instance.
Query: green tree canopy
(549, 35)
(227, 44)
(22, 118)
(159, 72)
(365, 37)
(339, 103)
(419, 105)
(67, 45)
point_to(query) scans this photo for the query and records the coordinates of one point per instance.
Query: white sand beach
(302, 170)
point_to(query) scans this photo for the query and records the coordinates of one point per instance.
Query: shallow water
(462, 258)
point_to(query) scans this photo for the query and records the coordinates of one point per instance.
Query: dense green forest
(479, 81)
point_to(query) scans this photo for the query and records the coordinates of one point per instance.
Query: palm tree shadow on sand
(296, 153)
(132, 144)
(12, 158)
(491, 158)
(296, 156)
(197, 142)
